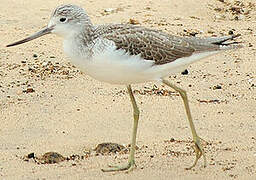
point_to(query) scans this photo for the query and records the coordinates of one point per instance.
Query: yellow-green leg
(197, 140)
(131, 162)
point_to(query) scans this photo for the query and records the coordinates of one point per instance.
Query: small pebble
(172, 140)
(231, 32)
(31, 155)
(185, 72)
(219, 17)
(217, 87)
(134, 21)
(109, 10)
(44, 63)
(29, 90)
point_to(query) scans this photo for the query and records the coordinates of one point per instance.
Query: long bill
(44, 31)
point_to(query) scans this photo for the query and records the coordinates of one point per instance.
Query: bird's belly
(118, 70)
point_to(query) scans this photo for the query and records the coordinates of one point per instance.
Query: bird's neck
(78, 45)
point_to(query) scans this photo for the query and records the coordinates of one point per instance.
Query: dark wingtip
(235, 36)
(225, 40)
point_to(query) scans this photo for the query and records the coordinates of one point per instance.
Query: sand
(49, 105)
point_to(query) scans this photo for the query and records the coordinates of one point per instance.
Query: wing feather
(156, 45)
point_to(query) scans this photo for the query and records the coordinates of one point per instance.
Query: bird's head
(66, 20)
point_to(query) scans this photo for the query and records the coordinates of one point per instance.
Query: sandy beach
(48, 105)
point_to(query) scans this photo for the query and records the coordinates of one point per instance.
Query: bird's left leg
(131, 162)
(197, 140)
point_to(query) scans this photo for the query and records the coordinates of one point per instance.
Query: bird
(128, 54)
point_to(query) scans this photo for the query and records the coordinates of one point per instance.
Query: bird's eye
(63, 19)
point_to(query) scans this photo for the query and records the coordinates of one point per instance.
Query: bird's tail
(215, 43)
(226, 42)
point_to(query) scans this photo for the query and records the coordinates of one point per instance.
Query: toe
(128, 167)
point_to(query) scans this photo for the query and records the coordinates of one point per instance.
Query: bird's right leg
(197, 140)
(131, 162)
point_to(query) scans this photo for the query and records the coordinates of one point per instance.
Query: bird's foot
(199, 152)
(128, 167)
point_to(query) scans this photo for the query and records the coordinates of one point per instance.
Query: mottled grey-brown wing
(158, 46)
(149, 44)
